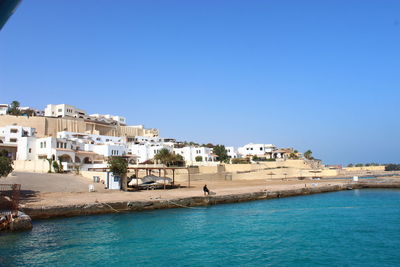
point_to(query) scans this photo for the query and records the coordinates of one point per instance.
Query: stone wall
(41, 166)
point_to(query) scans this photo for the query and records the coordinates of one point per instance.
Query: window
(14, 130)
(13, 140)
(30, 150)
(261, 148)
(65, 145)
(251, 148)
(41, 144)
(59, 110)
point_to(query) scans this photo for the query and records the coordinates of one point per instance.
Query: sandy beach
(218, 187)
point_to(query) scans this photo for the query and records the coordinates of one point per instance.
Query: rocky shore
(195, 201)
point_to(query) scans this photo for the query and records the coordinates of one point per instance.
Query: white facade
(108, 118)
(26, 148)
(12, 133)
(189, 153)
(256, 149)
(3, 109)
(232, 152)
(147, 151)
(64, 110)
(109, 150)
(91, 138)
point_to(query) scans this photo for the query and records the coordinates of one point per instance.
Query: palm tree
(166, 157)
(14, 108)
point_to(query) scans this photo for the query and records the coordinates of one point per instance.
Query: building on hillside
(3, 109)
(91, 138)
(12, 133)
(193, 154)
(50, 126)
(232, 152)
(145, 148)
(256, 149)
(70, 150)
(35, 112)
(64, 110)
(147, 151)
(110, 118)
(284, 153)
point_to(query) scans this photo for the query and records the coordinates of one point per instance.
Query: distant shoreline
(53, 211)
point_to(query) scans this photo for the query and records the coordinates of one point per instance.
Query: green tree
(166, 157)
(28, 112)
(392, 167)
(14, 108)
(293, 155)
(3, 153)
(209, 145)
(350, 165)
(359, 165)
(5, 166)
(199, 158)
(57, 166)
(308, 154)
(222, 154)
(119, 166)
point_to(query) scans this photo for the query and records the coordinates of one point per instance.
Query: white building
(193, 154)
(232, 152)
(12, 133)
(26, 148)
(109, 118)
(3, 109)
(36, 112)
(91, 138)
(256, 149)
(147, 151)
(64, 110)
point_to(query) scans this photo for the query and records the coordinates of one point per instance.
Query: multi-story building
(10, 136)
(109, 118)
(12, 133)
(256, 149)
(196, 154)
(232, 152)
(64, 110)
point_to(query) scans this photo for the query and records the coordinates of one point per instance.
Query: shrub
(240, 161)
(5, 166)
(392, 167)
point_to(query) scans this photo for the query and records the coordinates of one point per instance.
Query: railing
(9, 198)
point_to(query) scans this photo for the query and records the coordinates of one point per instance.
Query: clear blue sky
(319, 75)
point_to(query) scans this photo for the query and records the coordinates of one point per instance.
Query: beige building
(50, 126)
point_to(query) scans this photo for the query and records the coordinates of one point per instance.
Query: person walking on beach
(205, 189)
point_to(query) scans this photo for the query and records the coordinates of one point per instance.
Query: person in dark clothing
(205, 189)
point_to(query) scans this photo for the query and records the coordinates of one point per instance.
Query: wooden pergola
(149, 171)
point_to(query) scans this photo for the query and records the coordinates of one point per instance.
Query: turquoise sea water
(347, 228)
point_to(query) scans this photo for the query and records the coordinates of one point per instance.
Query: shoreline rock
(21, 222)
